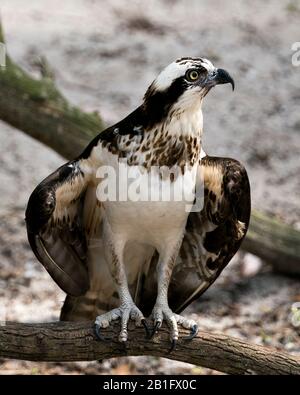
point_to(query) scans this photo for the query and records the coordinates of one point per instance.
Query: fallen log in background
(273, 241)
(62, 341)
(37, 108)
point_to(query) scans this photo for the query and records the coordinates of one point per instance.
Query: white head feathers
(178, 69)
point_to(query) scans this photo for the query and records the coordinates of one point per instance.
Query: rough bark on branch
(62, 341)
(37, 108)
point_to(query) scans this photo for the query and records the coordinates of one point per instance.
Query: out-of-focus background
(104, 54)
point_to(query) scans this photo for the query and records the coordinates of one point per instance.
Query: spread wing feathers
(55, 227)
(64, 230)
(212, 236)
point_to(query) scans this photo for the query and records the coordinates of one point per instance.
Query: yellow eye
(192, 75)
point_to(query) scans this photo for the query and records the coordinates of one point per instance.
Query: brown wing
(54, 219)
(212, 236)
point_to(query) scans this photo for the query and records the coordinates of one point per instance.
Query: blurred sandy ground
(104, 54)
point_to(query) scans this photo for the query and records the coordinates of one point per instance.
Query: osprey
(122, 259)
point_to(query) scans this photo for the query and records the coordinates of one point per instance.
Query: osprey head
(182, 85)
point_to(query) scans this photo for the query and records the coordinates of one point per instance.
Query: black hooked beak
(223, 77)
(219, 76)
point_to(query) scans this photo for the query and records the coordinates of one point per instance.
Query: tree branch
(62, 341)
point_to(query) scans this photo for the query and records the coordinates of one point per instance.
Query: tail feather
(102, 295)
(85, 308)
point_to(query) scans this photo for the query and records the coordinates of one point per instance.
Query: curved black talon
(98, 334)
(173, 345)
(147, 329)
(194, 331)
(155, 329)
